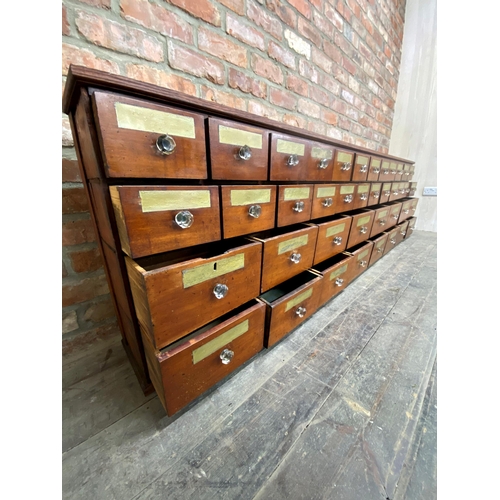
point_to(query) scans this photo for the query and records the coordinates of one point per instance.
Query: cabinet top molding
(80, 77)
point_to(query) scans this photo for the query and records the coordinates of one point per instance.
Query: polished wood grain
(361, 168)
(332, 237)
(361, 257)
(225, 161)
(375, 168)
(385, 192)
(339, 174)
(103, 210)
(361, 196)
(347, 197)
(286, 207)
(133, 153)
(326, 200)
(411, 226)
(337, 274)
(236, 218)
(391, 240)
(399, 172)
(395, 211)
(405, 211)
(402, 229)
(362, 222)
(381, 220)
(375, 192)
(279, 169)
(385, 171)
(316, 169)
(414, 204)
(379, 243)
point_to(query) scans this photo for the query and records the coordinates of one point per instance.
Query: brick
(332, 52)
(69, 321)
(339, 106)
(356, 129)
(334, 17)
(379, 80)
(70, 171)
(157, 18)
(99, 311)
(84, 57)
(340, 75)
(225, 98)
(359, 104)
(353, 5)
(377, 102)
(329, 117)
(260, 17)
(278, 53)
(65, 23)
(343, 10)
(348, 65)
(322, 60)
(308, 70)
(368, 25)
(318, 128)
(317, 3)
(83, 290)
(343, 44)
(160, 78)
(373, 87)
(334, 133)
(302, 6)
(297, 85)
(282, 98)
(67, 136)
(244, 33)
(64, 270)
(85, 261)
(260, 109)
(319, 95)
(77, 232)
(354, 84)
(103, 4)
(237, 6)
(221, 47)
(352, 113)
(195, 64)
(295, 121)
(201, 9)
(74, 200)
(308, 108)
(322, 24)
(344, 123)
(247, 84)
(347, 96)
(309, 31)
(365, 51)
(329, 84)
(118, 37)
(267, 69)
(298, 44)
(286, 14)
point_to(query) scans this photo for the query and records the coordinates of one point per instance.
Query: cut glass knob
(393, 242)
(364, 197)
(300, 311)
(363, 230)
(295, 257)
(379, 250)
(339, 281)
(165, 144)
(299, 206)
(363, 263)
(323, 163)
(403, 233)
(406, 211)
(293, 160)
(382, 222)
(245, 153)
(363, 168)
(255, 211)
(387, 193)
(386, 172)
(327, 202)
(346, 166)
(337, 240)
(348, 198)
(376, 170)
(226, 356)
(184, 219)
(220, 290)
(376, 194)
(395, 193)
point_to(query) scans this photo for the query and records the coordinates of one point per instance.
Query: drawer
(379, 243)
(332, 237)
(411, 226)
(406, 172)
(361, 257)
(399, 172)
(374, 170)
(406, 188)
(361, 168)
(381, 220)
(362, 222)
(395, 191)
(247, 209)
(414, 203)
(342, 165)
(326, 200)
(361, 196)
(173, 297)
(391, 240)
(156, 219)
(413, 189)
(412, 171)
(294, 204)
(196, 363)
(337, 273)
(405, 211)
(237, 151)
(385, 172)
(320, 166)
(347, 197)
(290, 304)
(385, 192)
(290, 157)
(286, 254)
(394, 213)
(144, 139)
(400, 235)
(374, 196)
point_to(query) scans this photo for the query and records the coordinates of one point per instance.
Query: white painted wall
(414, 131)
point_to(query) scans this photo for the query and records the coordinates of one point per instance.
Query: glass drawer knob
(413, 209)
(339, 281)
(226, 356)
(363, 263)
(363, 230)
(393, 172)
(337, 240)
(295, 257)
(364, 197)
(348, 198)
(379, 250)
(327, 202)
(346, 166)
(245, 153)
(165, 144)
(406, 211)
(395, 216)
(363, 168)
(323, 163)
(255, 211)
(376, 170)
(403, 233)
(299, 206)
(386, 172)
(395, 193)
(184, 219)
(300, 311)
(220, 290)
(387, 193)
(376, 194)
(382, 222)
(293, 160)
(393, 242)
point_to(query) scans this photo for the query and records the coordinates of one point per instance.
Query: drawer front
(413, 189)
(293, 309)
(385, 192)
(375, 192)
(374, 170)
(237, 151)
(395, 191)
(402, 229)
(361, 168)
(414, 204)
(412, 171)
(156, 219)
(405, 211)
(395, 211)
(361, 259)
(347, 197)
(332, 238)
(143, 139)
(361, 228)
(326, 199)
(192, 293)
(411, 226)
(378, 249)
(320, 166)
(406, 172)
(342, 165)
(336, 278)
(385, 172)
(294, 204)
(381, 220)
(290, 157)
(195, 366)
(391, 240)
(361, 196)
(399, 172)
(287, 255)
(247, 209)
(406, 188)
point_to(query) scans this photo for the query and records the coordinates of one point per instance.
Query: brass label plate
(240, 197)
(299, 241)
(297, 300)
(396, 209)
(382, 214)
(321, 153)
(381, 243)
(338, 272)
(215, 344)
(363, 254)
(393, 166)
(205, 272)
(290, 148)
(385, 164)
(344, 157)
(363, 220)
(362, 160)
(364, 189)
(290, 194)
(386, 187)
(400, 166)
(159, 201)
(406, 205)
(376, 187)
(335, 230)
(236, 137)
(347, 189)
(323, 192)
(375, 162)
(152, 120)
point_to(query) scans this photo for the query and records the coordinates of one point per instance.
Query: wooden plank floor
(344, 407)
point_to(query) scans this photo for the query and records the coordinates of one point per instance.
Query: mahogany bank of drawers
(222, 231)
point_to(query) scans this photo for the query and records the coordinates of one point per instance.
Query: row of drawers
(177, 293)
(157, 219)
(144, 139)
(186, 369)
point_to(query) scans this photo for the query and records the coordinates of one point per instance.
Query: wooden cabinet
(221, 231)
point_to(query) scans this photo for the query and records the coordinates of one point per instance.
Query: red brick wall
(331, 67)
